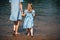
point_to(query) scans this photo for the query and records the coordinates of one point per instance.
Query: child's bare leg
(31, 31)
(28, 32)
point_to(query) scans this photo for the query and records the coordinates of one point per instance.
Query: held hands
(23, 14)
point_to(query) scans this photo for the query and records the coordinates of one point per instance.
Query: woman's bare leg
(17, 26)
(15, 29)
(15, 23)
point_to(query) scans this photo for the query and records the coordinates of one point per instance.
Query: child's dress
(28, 22)
(15, 10)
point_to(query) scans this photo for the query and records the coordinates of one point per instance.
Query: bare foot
(17, 33)
(32, 37)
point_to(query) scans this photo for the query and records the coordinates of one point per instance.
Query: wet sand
(24, 37)
(41, 31)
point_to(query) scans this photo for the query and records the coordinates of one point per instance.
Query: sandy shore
(41, 31)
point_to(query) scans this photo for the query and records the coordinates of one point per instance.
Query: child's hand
(23, 14)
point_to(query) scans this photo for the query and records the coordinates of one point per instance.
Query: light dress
(15, 10)
(29, 19)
